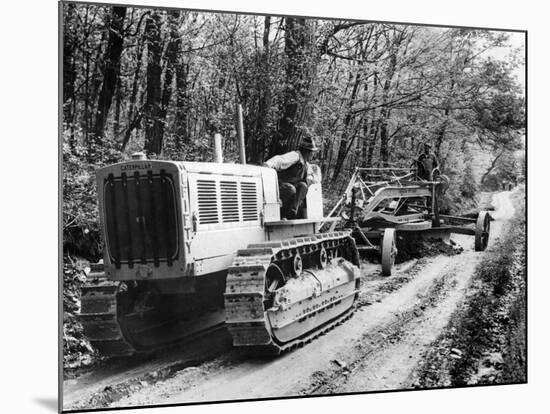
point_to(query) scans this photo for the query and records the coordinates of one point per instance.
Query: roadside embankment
(485, 342)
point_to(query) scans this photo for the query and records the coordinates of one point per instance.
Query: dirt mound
(77, 351)
(418, 248)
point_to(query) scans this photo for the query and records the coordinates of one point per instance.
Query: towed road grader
(384, 205)
(190, 247)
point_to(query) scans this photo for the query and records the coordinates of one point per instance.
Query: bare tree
(111, 68)
(153, 128)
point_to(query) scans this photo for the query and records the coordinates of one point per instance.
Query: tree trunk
(111, 69)
(118, 98)
(133, 120)
(328, 151)
(365, 143)
(385, 111)
(492, 166)
(295, 41)
(384, 149)
(153, 137)
(69, 72)
(344, 142)
(443, 127)
(97, 79)
(256, 148)
(181, 117)
(442, 130)
(182, 104)
(84, 120)
(174, 45)
(373, 134)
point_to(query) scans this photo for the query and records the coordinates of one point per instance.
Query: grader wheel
(483, 226)
(389, 251)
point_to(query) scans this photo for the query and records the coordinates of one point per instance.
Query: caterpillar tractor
(190, 247)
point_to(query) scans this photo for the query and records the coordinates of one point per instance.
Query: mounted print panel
(266, 206)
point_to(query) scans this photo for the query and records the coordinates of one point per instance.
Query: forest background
(165, 81)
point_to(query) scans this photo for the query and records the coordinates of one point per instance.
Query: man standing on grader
(427, 162)
(295, 175)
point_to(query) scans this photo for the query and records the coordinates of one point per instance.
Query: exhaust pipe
(240, 133)
(218, 154)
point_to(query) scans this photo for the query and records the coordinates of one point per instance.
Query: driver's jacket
(429, 162)
(292, 168)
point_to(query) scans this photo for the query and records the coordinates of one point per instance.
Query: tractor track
(377, 349)
(246, 279)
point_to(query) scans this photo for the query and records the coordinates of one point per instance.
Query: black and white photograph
(270, 206)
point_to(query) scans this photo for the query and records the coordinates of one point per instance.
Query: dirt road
(378, 349)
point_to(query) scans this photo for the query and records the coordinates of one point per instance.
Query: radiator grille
(222, 200)
(141, 218)
(208, 203)
(249, 201)
(230, 201)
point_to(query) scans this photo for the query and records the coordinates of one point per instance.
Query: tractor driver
(427, 161)
(295, 175)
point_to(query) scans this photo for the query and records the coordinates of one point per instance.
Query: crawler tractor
(190, 247)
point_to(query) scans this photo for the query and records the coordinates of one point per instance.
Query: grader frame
(379, 204)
